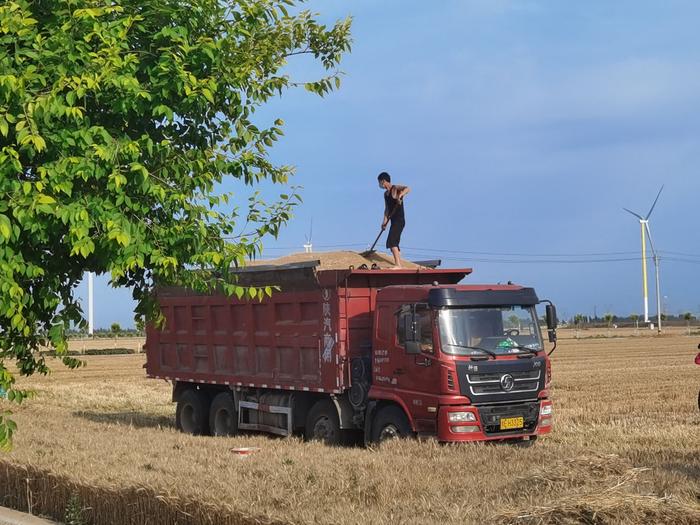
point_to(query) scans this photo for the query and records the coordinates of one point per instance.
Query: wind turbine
(309, 246)
(646, 232)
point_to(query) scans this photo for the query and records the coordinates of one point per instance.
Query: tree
(688, 317)
(635, 319)
(125, 125)
(115, 328)
(609, 318)
(579, 319)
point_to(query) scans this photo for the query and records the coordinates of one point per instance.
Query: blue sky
(522, 127)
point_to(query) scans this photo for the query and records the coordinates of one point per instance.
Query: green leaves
(7, 429)
(45, 199)
(5, 228)
(122, 136)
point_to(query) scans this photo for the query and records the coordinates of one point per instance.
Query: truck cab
(464, 363)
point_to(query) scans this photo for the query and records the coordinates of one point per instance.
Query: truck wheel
(223, 419)
(390, 423)
(323, 424)
(192, 412)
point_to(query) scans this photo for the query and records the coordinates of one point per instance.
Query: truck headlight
(461, 417)
(546, 410)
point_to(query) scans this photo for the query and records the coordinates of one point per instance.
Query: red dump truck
(341, 354)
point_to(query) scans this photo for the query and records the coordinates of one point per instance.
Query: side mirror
(551, 315)
(411, 325)
(412, 347)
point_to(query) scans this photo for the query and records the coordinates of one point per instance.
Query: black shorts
(394, 238)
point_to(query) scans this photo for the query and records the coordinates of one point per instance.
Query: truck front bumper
(494, 422)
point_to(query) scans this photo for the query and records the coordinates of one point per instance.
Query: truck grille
(490, 383)
(501, 380)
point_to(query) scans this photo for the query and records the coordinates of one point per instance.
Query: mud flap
(369, 416)
(345, 412)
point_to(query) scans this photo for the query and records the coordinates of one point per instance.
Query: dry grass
(626, 449)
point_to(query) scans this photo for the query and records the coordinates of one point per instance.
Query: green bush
(109, 351)
(95, 351)
(74, 512)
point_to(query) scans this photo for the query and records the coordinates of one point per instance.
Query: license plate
(510, 423)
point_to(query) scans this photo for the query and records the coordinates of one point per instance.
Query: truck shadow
(682, 468)
(133, 419)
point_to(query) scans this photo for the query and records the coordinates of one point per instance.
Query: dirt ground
(625, 449)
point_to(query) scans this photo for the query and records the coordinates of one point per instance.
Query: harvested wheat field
(625, 449)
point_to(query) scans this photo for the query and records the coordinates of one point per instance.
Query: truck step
(247, 408)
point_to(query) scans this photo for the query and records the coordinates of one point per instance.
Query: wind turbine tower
(646, 233)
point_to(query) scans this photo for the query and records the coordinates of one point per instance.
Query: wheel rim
(187, 418)
(323, 429)
(222, 422)
(389, 432)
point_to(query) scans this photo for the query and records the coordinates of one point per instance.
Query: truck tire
(192, 412)
(390, 423)
(323, 424)
(223, 418)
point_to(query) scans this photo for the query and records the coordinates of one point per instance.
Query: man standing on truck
(394, 213)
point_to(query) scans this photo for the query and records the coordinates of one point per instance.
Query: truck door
(413, 369)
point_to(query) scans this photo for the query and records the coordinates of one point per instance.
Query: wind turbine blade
(635, 214)
(651, 242)
(655, 201)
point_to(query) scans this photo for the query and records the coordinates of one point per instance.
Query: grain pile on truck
(348, 349)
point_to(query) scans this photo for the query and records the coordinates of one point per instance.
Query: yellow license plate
(510, 423)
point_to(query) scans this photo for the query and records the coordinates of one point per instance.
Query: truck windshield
(501, 330)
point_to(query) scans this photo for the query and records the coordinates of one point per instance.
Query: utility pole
(658, 294)
(91, 318)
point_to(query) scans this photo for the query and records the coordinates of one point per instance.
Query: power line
(524, 254)
(680, 253)
(680, 259)
(534, 261)
(522, 258)
(462, 252)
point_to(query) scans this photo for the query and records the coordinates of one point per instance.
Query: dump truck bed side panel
(287, 341)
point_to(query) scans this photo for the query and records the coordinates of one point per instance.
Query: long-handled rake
(372, 250)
